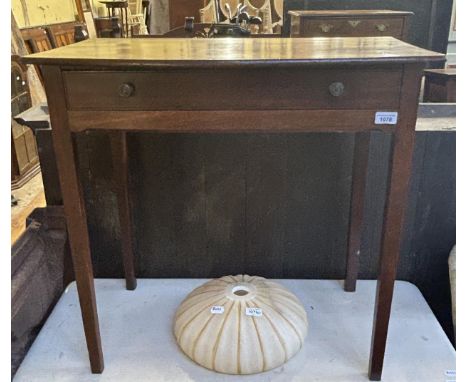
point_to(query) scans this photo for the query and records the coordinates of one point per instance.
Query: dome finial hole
(240, 290)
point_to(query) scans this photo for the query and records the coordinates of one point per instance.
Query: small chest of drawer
(352, 27)
(246, 89)
(349, 24)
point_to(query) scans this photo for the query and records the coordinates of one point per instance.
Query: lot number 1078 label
(386, 118)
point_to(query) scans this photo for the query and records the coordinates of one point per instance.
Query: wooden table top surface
(350, 12)
(217, 52)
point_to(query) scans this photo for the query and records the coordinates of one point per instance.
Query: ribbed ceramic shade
(240, 325)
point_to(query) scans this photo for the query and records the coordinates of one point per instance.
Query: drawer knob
(381, 27)
(126, 90)
(336, 89)
(326, 27)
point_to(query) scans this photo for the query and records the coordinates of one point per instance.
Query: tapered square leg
(395, 206)
(120, 168)
(356, 215)
(75, 213)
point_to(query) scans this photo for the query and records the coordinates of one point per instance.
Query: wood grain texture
(215, 121)
(358, 195)
(235, 89)
(75, 213)
(233, 52)
(121, 176)
(399, 180)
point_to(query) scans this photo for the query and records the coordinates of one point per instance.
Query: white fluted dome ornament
(240, 325)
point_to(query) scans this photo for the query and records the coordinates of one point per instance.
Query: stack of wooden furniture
(24, 156)
(42, 38)
(24, 153)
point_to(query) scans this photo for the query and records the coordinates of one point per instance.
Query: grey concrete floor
(138, 345)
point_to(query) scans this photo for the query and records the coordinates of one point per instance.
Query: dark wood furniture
(440, 85)
(309, 85)
(350, 23)
(24, 156)
(429, 27)
(108, 27)
(180, 9)
(62, 34)
(122, 6)
(37, 120)
(36, 39)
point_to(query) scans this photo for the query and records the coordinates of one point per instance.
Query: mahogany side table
(191, 85)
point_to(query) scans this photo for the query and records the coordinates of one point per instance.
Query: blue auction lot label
(386, 118)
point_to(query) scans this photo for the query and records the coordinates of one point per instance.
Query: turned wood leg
(75, 214)
(120, 168)
(358, 193)
(398, 186)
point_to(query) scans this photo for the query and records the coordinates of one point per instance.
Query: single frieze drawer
(234, 89)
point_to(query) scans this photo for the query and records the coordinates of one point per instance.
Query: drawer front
(248, 89)
(352, 27)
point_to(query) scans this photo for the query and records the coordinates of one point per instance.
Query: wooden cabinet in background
(350, 23)
(24, 157)
(440, 85)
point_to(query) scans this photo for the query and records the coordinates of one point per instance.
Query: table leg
(75, 213)
(120, 168)
(121, 22)
(126, 22)
(358, 191)
(398, 186)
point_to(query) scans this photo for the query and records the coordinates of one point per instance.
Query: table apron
(228, 121)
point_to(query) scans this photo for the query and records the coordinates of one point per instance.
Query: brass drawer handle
(354, 23)
(381, 27)
(126, 90)
(326, 27)
(336, 89)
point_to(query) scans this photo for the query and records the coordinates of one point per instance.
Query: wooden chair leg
(75, 213)
(358, 193)
(398, 186)
(120, 168)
